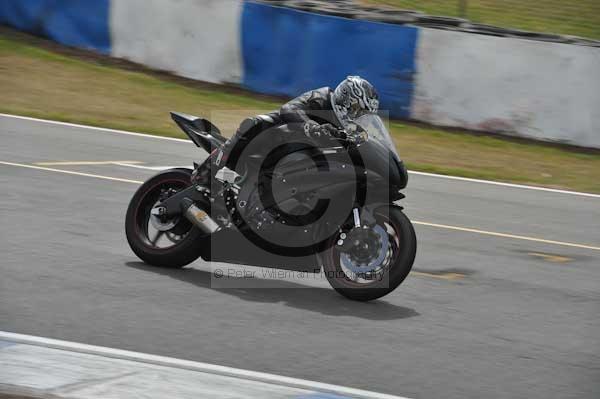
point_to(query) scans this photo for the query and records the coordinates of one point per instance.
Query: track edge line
(190, 365)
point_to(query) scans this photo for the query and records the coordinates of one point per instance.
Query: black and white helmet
(353, 98)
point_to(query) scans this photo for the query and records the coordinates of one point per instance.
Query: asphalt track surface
(491, 309)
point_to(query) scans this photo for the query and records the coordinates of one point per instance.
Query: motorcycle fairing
(201, 131)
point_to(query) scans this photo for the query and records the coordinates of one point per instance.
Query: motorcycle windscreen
(377, 130)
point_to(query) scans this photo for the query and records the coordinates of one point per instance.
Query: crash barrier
(288, 51)
(75, 23)
(547, 88)
(545, 91)
(197, 39)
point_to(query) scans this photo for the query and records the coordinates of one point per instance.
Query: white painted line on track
(86, 163)
(439, 226)
(511, 185)
(97, 129)
(130, 165)
(435, 175)
(191, 365)
(69, 172)
(504, 235)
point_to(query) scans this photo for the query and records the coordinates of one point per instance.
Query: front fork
(362, 219)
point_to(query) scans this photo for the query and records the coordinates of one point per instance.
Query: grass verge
(578, 18)
(44, 82)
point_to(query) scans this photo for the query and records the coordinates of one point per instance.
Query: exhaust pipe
(198, 217)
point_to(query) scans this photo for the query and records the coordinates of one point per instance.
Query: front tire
(402, 247)
(174, 248)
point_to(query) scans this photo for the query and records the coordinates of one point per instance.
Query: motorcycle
(287, 204)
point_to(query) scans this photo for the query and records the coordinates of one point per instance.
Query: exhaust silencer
(198, 217)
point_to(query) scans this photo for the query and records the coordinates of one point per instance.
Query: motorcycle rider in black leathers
(321, 113)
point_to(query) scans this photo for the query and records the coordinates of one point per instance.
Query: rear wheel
(157, 240)
(379, 261)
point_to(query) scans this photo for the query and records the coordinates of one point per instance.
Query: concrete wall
(198, 39)
(547, 91)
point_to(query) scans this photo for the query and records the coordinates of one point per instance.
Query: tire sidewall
(185, 252)
(397, 272)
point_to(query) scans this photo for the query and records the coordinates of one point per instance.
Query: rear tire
(183, 252)
(392, 276)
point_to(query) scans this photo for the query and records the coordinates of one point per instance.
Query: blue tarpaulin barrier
(288, 52)
(76, 23)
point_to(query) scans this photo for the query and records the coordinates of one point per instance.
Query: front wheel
(159, 241)
(379, 260)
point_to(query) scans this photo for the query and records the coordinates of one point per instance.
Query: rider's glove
(314, 130)
(330, 131)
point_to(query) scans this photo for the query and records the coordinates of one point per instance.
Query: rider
(321, 113)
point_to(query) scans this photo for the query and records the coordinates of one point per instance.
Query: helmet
(353, 98)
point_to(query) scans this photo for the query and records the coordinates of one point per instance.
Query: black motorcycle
(287, 203)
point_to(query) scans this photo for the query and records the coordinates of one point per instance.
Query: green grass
(43, 83)
(578, 18)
